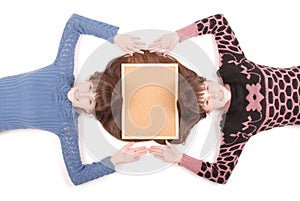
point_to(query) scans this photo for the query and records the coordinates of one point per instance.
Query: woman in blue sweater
(46, 99)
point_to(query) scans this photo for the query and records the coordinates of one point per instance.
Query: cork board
(149, 109)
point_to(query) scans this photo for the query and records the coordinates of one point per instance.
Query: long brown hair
(109, 98)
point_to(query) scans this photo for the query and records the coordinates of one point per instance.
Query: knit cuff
(187, 32)
(191, 163)
(107, 163)
(114, 31)
(98, 26)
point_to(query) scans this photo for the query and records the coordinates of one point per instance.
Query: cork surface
(149, 101)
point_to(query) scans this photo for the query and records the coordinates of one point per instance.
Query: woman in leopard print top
(260, 98)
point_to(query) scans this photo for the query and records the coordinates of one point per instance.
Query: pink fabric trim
(254, 103)
(187, 32)
(191, 163)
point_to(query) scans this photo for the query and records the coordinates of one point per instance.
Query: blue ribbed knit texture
(38, 99)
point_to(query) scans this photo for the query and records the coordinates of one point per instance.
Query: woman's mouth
(76, 95)
(221, 95)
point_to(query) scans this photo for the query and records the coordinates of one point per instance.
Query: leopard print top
(262, 98)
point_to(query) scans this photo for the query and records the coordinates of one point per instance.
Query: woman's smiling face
(82, 96)
(215, 96)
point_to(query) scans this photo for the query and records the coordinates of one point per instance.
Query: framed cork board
(149, 109)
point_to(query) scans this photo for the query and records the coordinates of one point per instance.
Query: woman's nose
(215, 94)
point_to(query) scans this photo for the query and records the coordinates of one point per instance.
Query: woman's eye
(91, 102)
(91, 86)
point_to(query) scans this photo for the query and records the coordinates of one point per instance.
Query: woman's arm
(80, 173)
(218, 172)
(76, 26)
(216, 25)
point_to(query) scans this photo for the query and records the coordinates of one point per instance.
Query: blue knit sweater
(38, 99)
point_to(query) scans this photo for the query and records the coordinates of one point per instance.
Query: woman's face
(82, 96)
(215, 96)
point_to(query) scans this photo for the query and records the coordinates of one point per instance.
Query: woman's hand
(128, 154)
(165, 44)
(168, 153)
(129, 44)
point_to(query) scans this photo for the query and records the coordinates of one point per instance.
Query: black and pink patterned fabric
(262, 98)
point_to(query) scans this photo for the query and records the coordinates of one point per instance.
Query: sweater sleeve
(219, 171)
(76, 26)
(218, 26)
(80, 173)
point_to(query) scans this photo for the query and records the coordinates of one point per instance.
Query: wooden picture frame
(149, 109)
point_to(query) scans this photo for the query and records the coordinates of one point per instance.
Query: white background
(31, 165)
